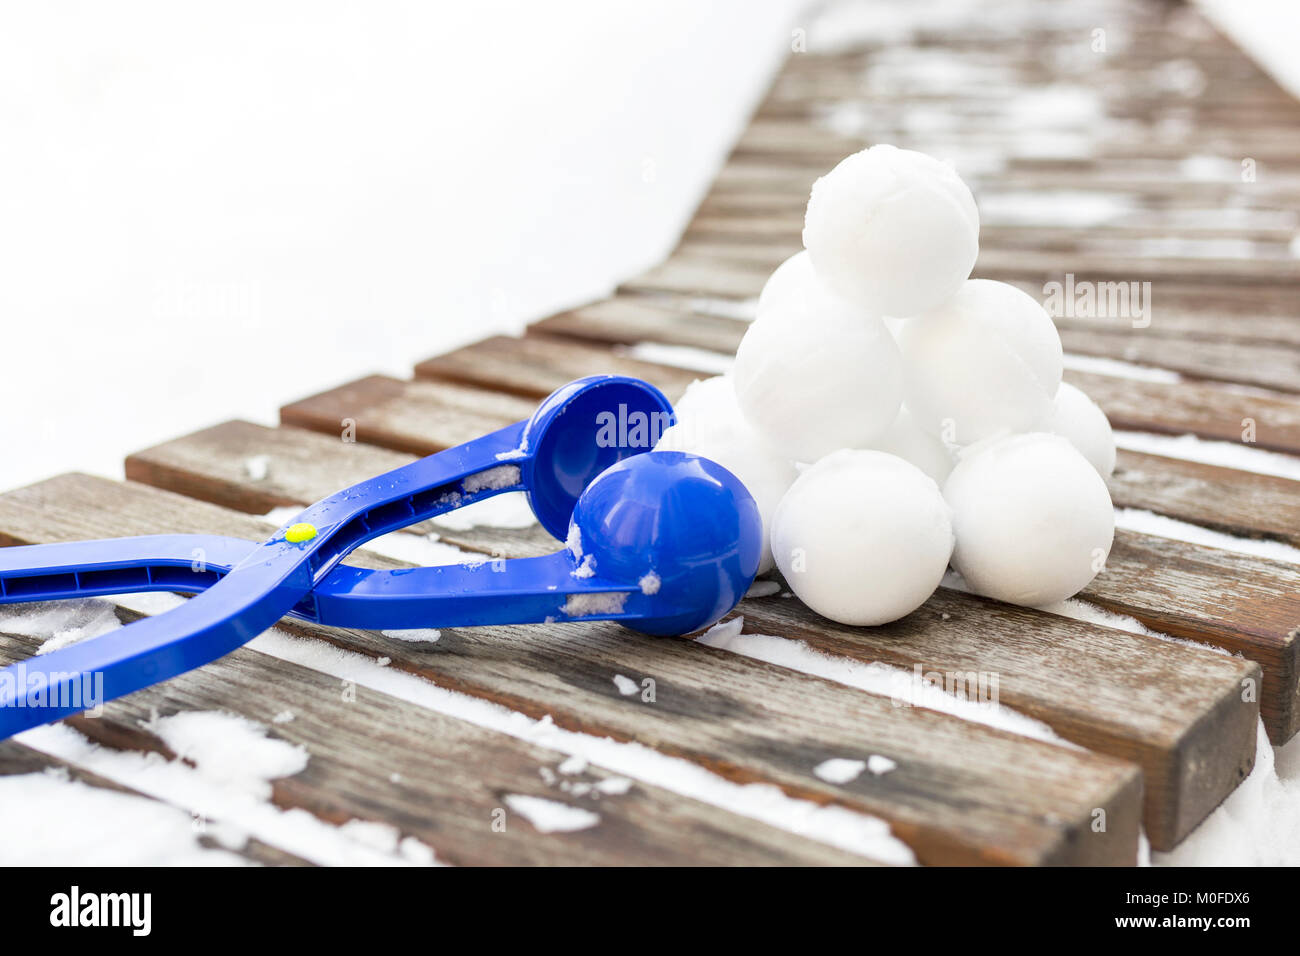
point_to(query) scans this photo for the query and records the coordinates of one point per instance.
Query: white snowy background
(206, 212)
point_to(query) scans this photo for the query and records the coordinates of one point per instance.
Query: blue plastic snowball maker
(664, 542)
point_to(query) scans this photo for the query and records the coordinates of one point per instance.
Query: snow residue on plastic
(840, 770)
(1226, 454)
(650, 583)
(585, 605)
(64, 820)
(836, 826)
(899, 685)
(59, 623)
(586, 567)
(1148, 522)
(502, 476)
(551, 816)
(574, 542)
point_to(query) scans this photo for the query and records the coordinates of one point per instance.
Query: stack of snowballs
(893, 416)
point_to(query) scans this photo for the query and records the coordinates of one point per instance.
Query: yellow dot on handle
(300, 532)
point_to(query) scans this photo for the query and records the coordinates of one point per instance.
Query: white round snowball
(709, 423)
(986, 362)
(1033, 519)
(791, 281)
(862, 537)
(893, 230)
(1078, 418)
(913, 444)
(814, 374)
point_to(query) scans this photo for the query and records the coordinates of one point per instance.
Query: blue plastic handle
(666, 542)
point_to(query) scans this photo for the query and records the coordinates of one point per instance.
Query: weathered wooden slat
(373, 409)
(1241, 603)
(961, 792)
(631, 319)
(529, 366)
(1240, 503)
(1096, 686)
(453, 776)
(1206, 409)
(1263, 365)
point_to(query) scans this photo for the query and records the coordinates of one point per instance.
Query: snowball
(1033, 519)
(814, 374)
(709, 424)
(985, 363)
(862, 537)
(790, 282)
(893, 230)
(1078, 418)
(913, 444)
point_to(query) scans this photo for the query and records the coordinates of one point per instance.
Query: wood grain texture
(1105, 689)
(1240, 503)
(962, 793)
(377, 409)
(531, 366)
(629, 319)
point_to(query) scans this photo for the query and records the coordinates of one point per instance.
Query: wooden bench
(708, 751)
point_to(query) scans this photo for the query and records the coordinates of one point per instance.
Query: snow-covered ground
(206, 212)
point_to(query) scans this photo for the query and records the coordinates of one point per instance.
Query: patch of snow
(682, 356)
(840, 770)
(902, 687)
(60, 623)
(1226, 454)
(64, 820)
(229, 748)
(257, 467)
(1117, 369)
(614, 786)
(650, 583)
(761, 589)
(626, 685)
(1148, 522)
(572, 765)
(551, 816)
(878, 764)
